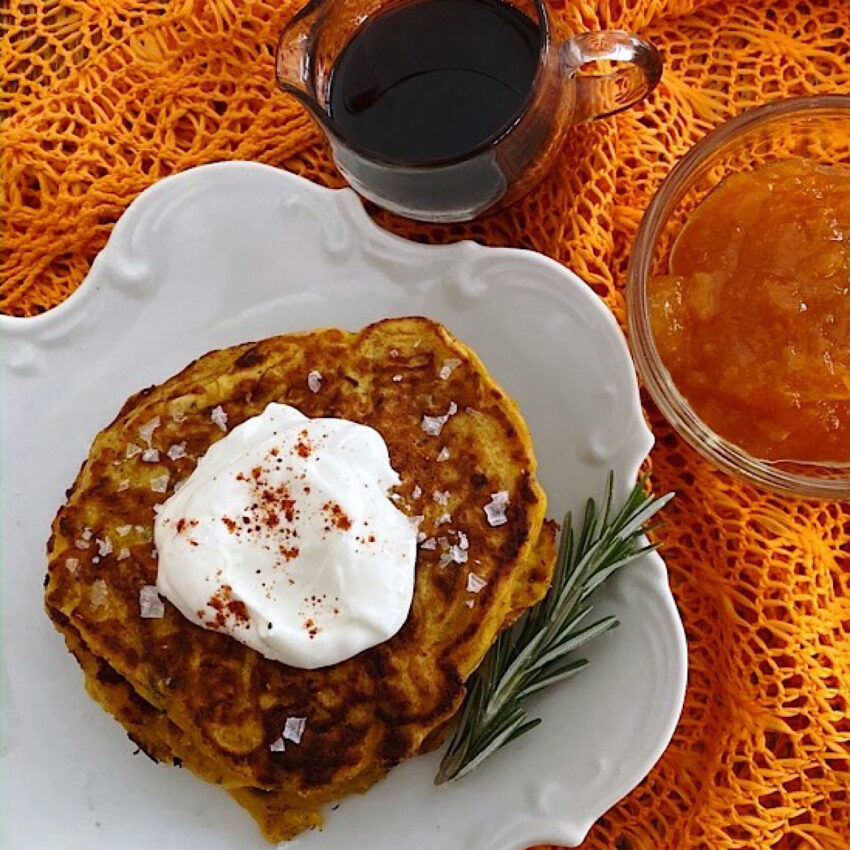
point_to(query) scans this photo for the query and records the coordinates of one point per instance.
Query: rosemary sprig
(536, 651)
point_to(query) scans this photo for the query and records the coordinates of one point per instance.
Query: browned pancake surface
(229, 703)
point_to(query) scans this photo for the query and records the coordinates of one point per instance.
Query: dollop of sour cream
(284, 538)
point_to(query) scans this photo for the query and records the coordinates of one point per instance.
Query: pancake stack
(198, 698)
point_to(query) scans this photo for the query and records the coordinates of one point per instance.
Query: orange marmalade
(753, 319)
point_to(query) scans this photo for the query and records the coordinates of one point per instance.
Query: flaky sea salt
(463, 541)
(176, 451)
(443, 455)
(475, 583)
(150, 604)
(459, 555)
(123, 530)
(433, 425)
(448, 367)
(314, 381)
(441, 497)
(428, 543)
(293, 729)
(160, 483)
(397, 378)
(132, 450)
(444, 519)
(146, 430)
(219, 417)
(104, 547)
(79, 543)
(416, 493)
(452, 554)
(495, 509)
(470, 603)
(150, 456)
(71, 564)
(421, 537)
(98, 592)
(123, 485)
(123, 553)
(278, 746)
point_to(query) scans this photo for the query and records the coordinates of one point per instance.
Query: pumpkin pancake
(279, 814)
(203, 698)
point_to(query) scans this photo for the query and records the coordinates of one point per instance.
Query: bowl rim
(654, 375)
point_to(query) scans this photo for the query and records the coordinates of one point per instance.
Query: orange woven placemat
(103, 97)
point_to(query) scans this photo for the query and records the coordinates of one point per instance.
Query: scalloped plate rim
(346, 200)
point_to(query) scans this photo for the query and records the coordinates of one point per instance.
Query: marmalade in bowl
(753, 319)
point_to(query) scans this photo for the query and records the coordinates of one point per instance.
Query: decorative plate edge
(346, 207)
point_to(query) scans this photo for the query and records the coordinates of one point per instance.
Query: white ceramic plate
(228, 253)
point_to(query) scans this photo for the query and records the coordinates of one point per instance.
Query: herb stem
(536, 652)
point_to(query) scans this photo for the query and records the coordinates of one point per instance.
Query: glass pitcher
(500, 169)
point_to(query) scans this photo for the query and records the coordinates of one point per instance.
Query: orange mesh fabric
(102, 97)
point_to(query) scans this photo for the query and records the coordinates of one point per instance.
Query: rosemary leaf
(536, 651)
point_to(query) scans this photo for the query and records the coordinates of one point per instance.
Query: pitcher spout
(294, 57)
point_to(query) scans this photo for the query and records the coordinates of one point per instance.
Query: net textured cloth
(103, 97)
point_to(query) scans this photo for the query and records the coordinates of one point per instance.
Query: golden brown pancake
(278, 814)
(201, 697)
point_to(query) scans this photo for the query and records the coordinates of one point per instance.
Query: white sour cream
(285, 539)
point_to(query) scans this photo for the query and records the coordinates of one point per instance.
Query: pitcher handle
(598, 96)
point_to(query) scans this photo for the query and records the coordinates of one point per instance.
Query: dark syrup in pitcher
(434, 79)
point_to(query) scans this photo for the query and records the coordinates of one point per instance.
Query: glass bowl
(817, 128)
